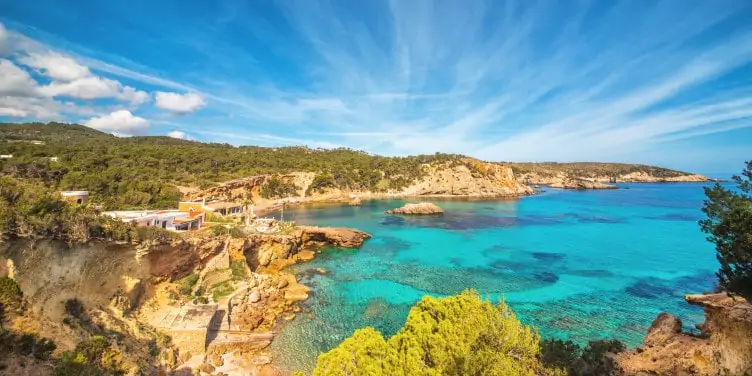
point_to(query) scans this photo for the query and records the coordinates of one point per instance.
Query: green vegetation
(592, 169)
(25, 344)
(139, 172)
(31, 210)
(321, 182)
(186, 284)
(278, 188)
(238, 270)
(220, 290)
(92, 357)
(729, 227)
(590, 361)
(10, 293)
(459, 335)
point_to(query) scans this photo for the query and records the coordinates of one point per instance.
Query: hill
(138, 172)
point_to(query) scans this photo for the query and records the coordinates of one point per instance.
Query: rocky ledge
(724, 346)
(336, 236)
(422, 208)
(581, 184)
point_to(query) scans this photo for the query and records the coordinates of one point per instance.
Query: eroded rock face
(422, 208)
(334, 236)
(725, 348)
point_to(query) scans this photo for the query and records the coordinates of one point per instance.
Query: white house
(174, 220)
(6, 156)
(54, 159)
(79, 197)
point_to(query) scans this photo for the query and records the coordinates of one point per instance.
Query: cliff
(135, 294)
(724, 346)
(465, 177)
(558, 174)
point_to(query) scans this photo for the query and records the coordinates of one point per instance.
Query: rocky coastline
(723, 347)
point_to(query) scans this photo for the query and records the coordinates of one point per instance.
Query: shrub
(10, 292)
(459, 335)
(186, 284)
(729, 227)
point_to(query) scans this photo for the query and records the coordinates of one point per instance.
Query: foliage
(321, 182)
(32, 210)
(26, 344)
(186, 284)
(138, 172)
(10, 293)
(93, 357)
(74, 308)
(238, 269)
(459, 335)
(729, 227)
(592, 169)
(593, 360)
(220, 290)
(278, 188)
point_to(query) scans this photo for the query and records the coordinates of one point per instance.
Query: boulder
(422, 208)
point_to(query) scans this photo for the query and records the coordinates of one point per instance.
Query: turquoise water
(578, 265)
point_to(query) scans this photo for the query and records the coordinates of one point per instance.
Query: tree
(729, 227)
(457, 335)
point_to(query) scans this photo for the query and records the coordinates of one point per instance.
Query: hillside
(553, 173)
(138, 172)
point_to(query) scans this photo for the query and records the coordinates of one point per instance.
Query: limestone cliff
(559, 174)
(723, 348)
(465, 177)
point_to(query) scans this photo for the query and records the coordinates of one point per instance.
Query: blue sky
(660, 82)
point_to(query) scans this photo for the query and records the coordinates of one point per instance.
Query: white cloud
(179, 103)
(56, 66)
(4, 40)
(179, 134)
(16, 81)
(13, 112)
(121, 122)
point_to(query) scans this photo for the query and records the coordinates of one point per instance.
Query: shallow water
(578, 265)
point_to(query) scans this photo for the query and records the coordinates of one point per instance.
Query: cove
(579, 265)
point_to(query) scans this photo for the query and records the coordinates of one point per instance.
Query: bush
(186, 284)
(459, 335)
(591, 361)
(10, 292)
(278, 188)
(729, 227)
(74, 307)
(238, 269)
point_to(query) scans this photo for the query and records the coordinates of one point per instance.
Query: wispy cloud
(513, 80)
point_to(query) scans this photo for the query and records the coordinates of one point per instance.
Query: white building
(79, 197)
(6, 156)
(174, 220)
(54, 159)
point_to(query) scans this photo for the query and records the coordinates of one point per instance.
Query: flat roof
(74, 193)
(222, 205)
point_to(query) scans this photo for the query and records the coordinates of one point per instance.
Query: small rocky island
(581, 184)
(422, 208)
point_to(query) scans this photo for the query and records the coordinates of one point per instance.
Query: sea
(578, 265)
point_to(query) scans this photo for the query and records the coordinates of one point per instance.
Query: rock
(254, 297)
(663, 329)
(261, 360)
(282, 283)
(321, 271)
(417, 209)
(206, 368)
(581, 184)
(724, 349)
(355, 202)
(340, 237)
(296, 293)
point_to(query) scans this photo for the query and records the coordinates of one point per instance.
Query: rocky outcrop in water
(723, 348)
(581, 184)
(423, 208)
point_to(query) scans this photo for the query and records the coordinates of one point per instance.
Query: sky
(642, 81)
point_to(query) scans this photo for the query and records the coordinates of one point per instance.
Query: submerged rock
(422, 208)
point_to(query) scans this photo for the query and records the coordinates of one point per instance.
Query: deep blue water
(578, 265)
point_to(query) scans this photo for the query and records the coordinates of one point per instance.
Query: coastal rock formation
(334, 236)
(422, 208)
(265, 300)
(559, 173)
(355, 202)
(725, 346)
(581, 184)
